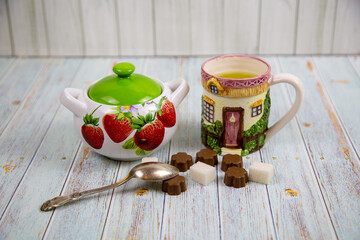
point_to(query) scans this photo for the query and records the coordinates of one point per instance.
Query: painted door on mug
(233, 127)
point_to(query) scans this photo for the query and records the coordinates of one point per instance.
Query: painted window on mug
(208, 110)
(256, 111)
(213, 89)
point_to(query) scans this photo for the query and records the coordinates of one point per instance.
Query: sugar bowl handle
(69, 98)
(180, 89)
(299, 88)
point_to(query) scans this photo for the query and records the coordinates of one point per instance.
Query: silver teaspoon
(151, 171)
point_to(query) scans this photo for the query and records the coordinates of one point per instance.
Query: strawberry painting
(91, 132)
(150, 135)
(166, 112)
(117, 125)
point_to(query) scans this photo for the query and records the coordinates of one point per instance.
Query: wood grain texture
(100, 27)
(342, 83)
(5, 36)
(245, 213)
(315, 26)
(172, 24)
(303, 216)
(193, 214)
(142, 217)
(334, 161)
(48, 170)
(241, 26)
(90, 170)
(207, 23)
(278, 26)
(347, 28)
(28, 25)
(5, 63)
(11, 95)
(136, 27)
(20, 140)
(313, 155)
(64, 27)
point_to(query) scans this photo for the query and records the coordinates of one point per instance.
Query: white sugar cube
(202, 173)
(149, 159)
(261, 172)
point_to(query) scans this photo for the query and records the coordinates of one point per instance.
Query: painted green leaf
(141, 152)
(129, 144)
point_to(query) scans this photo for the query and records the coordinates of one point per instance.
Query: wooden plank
(5, 63)
(172, 24)
(241, 26)
(141, 218)
(342, 83)
(100, 32)
(136, 27)
(27, 22)
(186, 216)
(305, 215)
(64, 27)
(315, 26)
(22, 136)
(278, 26)
(90, 170)
(245, 213)
(206, 28)
(335, 164)
(49, 167)
(5, 36)
(347, 29)
(24, 73)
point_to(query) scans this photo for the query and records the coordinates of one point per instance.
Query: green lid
(124, 88)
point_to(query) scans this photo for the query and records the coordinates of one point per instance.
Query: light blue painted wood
(308, 159)
(334, 161)
(48, 172)
(193, 214)
(89, 171)
(305, 215)
(15, 85)
(142, 216)
(342, 83)
(5, 63)
(20, 140)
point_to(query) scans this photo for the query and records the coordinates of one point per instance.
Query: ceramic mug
(236, 103)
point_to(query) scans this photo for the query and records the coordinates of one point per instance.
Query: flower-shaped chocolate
(182, 161)
(236, 177)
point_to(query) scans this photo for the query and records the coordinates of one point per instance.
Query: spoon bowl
(153, 171)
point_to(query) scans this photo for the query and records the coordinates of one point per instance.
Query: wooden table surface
(316, 155)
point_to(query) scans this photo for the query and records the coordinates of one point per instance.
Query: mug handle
(299, 88)
(69, 99)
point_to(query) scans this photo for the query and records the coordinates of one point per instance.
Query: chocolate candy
(207, 156)
(174, 186)
(236, 177)
(231, 160)
(182, 161)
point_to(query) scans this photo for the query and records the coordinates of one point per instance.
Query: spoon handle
(61, 200)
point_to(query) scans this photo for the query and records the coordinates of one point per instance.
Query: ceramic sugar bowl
(126, 116)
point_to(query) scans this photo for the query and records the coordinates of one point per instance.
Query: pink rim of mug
(238, 83)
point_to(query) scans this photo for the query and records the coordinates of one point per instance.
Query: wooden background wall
(178, 27)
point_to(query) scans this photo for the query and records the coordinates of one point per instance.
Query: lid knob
(124, 69)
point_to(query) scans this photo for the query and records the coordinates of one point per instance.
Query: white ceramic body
(79, 103)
